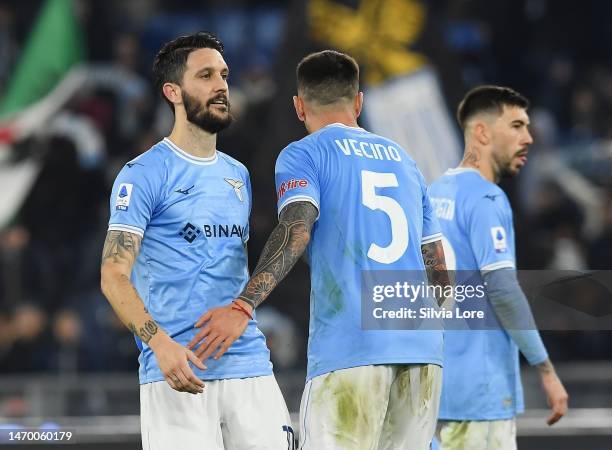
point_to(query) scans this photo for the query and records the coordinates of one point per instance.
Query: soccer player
(359, 203)
(482, 392)
(179, 226)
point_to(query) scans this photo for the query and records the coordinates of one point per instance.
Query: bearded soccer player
(358, 202)
(176, 247)
(482, 392)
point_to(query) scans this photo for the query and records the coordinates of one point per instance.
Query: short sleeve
(133, 199)
(491, 233)
(431, 227)
(296, 177)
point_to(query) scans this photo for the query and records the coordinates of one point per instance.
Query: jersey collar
(458, 170)
(338, 124)
(190, 158)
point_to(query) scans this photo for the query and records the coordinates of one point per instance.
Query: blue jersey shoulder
(150, 165)
(155, 156)
(475, 188)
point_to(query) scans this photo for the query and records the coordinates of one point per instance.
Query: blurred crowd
(52, 314)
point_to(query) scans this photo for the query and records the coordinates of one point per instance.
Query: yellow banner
(379, 34)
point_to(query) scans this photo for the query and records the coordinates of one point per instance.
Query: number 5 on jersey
(399, 224)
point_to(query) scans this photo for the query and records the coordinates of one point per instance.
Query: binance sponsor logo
(190, 232)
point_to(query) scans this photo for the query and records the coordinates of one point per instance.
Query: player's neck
(194, 140)
(475, 158)
(323, 120)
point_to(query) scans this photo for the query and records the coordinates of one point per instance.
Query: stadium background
(76, 103)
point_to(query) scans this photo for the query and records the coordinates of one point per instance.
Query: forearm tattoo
(146, 332)
(285, 245)
(435, 265)
(122, 247)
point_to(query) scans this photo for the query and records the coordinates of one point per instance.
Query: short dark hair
(327, 77)
(488, 99)
(170, 61)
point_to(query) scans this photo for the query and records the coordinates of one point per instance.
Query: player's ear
(172, 92)
(298, 103)
(482, 133)
(358, 103)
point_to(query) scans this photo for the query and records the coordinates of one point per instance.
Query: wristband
(237, 306)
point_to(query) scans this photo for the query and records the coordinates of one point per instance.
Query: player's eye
(225, 76)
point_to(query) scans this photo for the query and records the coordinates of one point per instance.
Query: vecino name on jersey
(368, 150)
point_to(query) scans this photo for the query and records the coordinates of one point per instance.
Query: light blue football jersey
(374, 214)
(481, 378)
(193, 214)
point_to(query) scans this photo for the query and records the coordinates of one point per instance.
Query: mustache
(216, 98)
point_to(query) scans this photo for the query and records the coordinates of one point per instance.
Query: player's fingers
(175, 382)
(171, 383)
(226, 344)
(208, 348)
(186, 385)
(198, 337)
(195, 385)
(195, 360)
(193, 378)
(205, 343)
(205, 318)
(554, 418)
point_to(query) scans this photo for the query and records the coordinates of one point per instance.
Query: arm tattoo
(121, 246)
(146, 332)
(285, 245)
(435, 265)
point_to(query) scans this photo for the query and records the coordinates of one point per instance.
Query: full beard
(506, 168)
(203, 117)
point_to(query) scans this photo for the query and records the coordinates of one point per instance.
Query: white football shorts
(381, 407)
(477, 435)
(233, 414)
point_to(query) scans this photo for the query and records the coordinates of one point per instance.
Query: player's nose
(220, 84)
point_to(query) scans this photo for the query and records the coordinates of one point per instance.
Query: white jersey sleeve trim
(506, 264)
(431, 238)
(300, 198)
(128, 228)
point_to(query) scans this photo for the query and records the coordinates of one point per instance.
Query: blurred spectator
(58, 218)
(25, 341)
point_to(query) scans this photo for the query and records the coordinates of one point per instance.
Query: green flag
(54, 46)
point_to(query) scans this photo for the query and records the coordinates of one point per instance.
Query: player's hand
(173, 360)
(220, 327)
(556, 395)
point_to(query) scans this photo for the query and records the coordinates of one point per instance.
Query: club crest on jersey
(291, 184)
(123, 196)
(237, 185)
(498, 234)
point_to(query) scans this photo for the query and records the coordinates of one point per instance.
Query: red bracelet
(237, 306)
